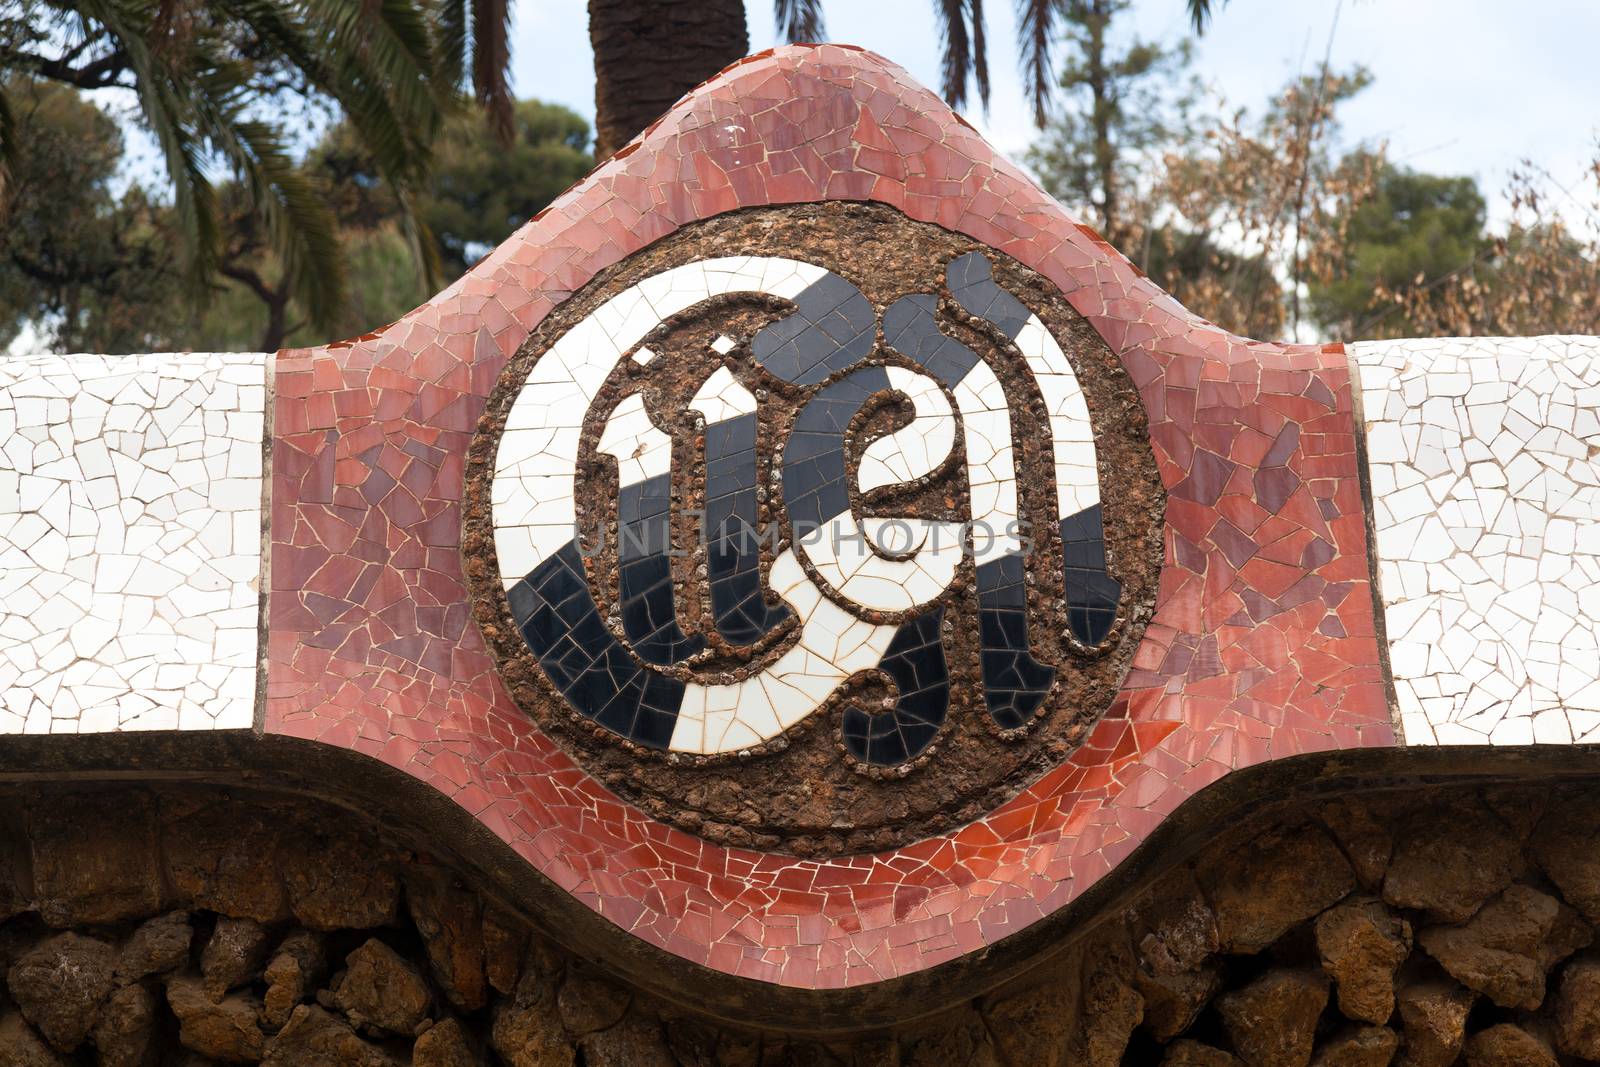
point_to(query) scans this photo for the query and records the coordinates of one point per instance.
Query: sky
(1460, 86)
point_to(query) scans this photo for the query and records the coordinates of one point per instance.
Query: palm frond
(1035, 25)
(382, 63)
(1200, 14)
(957, 59)
(200, 75)
(291, 204)
(383, 76)
(491, 57)
(165, 106)
(799, 20)
(303, 230)
(980, 51)
(450, 22)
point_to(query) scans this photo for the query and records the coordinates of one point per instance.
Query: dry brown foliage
(1542, 276)
(1235, 223)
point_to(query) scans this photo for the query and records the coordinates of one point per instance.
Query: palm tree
(648, 54)
(215, 83)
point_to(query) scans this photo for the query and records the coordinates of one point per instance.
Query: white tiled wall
(1485, 465)
(130, 541)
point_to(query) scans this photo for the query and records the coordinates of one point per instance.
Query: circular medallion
(814, 529)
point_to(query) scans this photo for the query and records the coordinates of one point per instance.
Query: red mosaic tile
(1262, 646)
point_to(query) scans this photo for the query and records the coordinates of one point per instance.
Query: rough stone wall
(189, 925)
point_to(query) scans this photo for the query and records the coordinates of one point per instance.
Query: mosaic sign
(740, 506)
(804, 550)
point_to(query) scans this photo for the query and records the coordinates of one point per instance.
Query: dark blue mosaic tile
(594, 673)
(915, 660)
(815, 486)
(739, 607)
(971, 281)
(834, 327)
(1092, 594)
(910, 328)
(649, 606)
(1014, 683)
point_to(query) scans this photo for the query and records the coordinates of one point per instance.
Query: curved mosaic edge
(130, 501)
(1247, 659)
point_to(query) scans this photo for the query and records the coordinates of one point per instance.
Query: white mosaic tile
(991, 465)
(641, 450)
(916, 449)
(721, 398)
(1071, 432)
(833, 645)
(841, 551)
(130, 541)
(1484, 457)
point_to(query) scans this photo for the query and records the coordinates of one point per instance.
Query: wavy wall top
(803, 544)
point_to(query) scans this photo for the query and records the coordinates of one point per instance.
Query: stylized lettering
(644, 534)
(896, 565)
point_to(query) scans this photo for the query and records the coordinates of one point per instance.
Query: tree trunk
(1101, 117)
(276, 301)
(647, 55)
(277, 328)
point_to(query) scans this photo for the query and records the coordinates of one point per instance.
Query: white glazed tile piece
(841, 551)
(991, 465)
(916, 449)
(721, 398)
(1071, 432)
(833, 645)
(130, 541)
(1484, 457)
(629, 437)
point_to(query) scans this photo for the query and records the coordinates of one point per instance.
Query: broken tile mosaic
(827, 335)
(1486, 506)
(130, 541)
(1262, 644)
